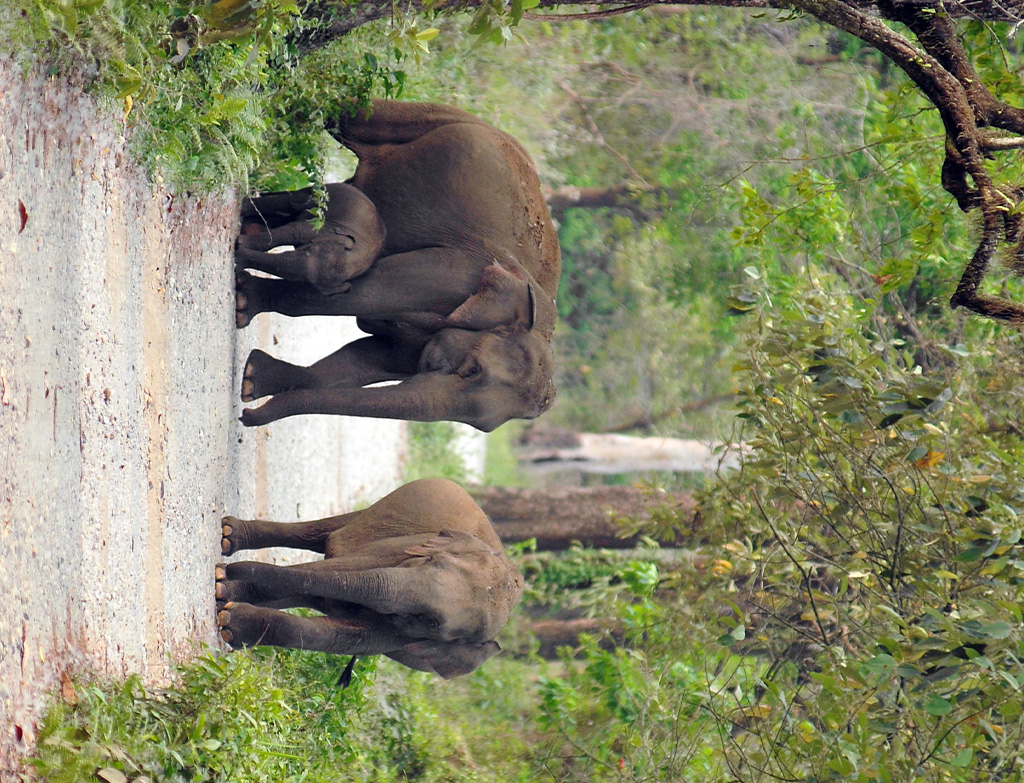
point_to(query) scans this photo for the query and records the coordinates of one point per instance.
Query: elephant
(420, 576)
(459, 303)
(350, 240)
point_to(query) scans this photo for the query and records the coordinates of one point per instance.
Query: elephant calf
(420, 576)
(349, 241)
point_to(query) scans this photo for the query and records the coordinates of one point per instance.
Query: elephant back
(423, 507)
(463, 185)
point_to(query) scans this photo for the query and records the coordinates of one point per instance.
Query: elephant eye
(470, 368)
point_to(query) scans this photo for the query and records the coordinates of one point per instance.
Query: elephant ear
(448, 659)
(502, 298)
(450, 542)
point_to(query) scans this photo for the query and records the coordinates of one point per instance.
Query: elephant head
(485, 363)
(350, 240)
(488, 377)
(447, 659)
(492, 351)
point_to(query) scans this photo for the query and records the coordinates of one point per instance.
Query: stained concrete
(120, 448)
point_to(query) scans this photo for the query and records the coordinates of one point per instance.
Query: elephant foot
(265, 376)
(227, 590)
(251, 417)
(233, 535)
(255, 236)
(243, 625)
(249, 301)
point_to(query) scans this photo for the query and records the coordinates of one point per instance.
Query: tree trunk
(553, 634)
(558, 516)
(625, 197)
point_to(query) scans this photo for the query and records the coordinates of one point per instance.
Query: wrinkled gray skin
(419, 576)
(460, 302)
(349, 241)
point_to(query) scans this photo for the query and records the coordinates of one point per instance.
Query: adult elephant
(459, 303)
(419, 576)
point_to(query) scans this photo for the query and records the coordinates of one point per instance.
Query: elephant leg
(255, 295)
(276, 209)
(395, 122)
(303, 264)
(431, 280)
(426, 284)
(245, 625)
(250, 592)
(390, 591)
(430, 397)
(238, 534)
(369, 360)
(265, 376)
(298, 232)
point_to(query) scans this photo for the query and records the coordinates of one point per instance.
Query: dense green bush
(207, 101)
(875, 550)
(265, 716)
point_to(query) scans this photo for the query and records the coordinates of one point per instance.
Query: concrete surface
(120, 448)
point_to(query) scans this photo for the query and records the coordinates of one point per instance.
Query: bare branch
(624, 9)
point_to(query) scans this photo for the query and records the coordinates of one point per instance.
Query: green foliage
(591, 582)
(432, 452)
(279, 715)
(876, 529)
(208, 94)
(264, 716)
(647, 710)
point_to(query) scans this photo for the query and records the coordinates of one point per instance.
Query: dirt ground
(120, 448)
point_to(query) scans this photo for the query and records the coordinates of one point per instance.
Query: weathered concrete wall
(120, 448)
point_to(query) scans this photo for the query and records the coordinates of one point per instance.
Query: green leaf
(916, 453)
(938, 706)
(964, 757)
(997, 630)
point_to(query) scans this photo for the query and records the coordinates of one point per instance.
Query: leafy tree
(958, 78)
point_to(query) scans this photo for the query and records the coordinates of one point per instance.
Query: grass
(268, 715)
(278, 716)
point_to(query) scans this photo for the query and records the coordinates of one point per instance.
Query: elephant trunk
(429, 397)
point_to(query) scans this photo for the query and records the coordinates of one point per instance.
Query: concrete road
(120, 448)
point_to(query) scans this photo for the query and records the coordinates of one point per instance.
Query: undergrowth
(265, 715)
(279, 715)
(206, 100)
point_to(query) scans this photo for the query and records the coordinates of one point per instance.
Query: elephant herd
(442, 246)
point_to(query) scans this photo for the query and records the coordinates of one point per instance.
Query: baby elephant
(419, 576)
(349, 241)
